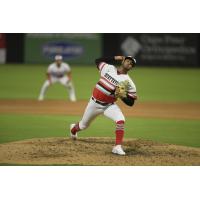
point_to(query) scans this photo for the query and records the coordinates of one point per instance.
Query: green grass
(168, 84)
(24, 82)
(153, 84)
(19, 127)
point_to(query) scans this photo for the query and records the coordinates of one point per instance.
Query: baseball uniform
(103, 99)
(58, 74)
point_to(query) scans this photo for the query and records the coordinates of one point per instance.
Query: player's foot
(73, 100)
(73, 136)
(40, 98)
(118, 150)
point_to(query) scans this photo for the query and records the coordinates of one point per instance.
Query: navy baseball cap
(131, 58)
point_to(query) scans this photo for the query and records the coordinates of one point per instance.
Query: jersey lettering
(110, 78)
(105, 87)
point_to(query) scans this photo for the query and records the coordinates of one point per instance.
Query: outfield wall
(75, 48)
(156, 49)
(150, 49)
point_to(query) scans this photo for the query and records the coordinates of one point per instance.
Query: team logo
(130, 46)
(66, 49)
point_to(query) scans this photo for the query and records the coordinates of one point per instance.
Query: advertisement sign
(2, 48)
(167, 49)
(79, 48)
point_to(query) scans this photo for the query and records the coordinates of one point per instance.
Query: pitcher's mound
(95, 151)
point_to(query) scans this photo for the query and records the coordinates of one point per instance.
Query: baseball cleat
(73, 136)
(40, 98)
(118, 150)
(73, 100)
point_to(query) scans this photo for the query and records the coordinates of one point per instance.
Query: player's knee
(47, 83)
(122, 121)
(65, 84)
(68, 85)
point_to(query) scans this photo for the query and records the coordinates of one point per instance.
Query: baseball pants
(111, 111)
(64, 81)
(93, 109)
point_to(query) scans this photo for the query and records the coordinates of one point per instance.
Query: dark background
(157, 49)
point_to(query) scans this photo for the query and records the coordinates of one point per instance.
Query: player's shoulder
(110, 67)
(66, 65)
(105, 67)
(51, 65)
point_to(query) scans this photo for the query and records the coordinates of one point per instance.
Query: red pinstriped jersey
(109, 78)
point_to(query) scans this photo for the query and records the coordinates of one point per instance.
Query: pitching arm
(109, 60)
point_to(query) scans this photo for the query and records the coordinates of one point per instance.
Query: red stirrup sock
(75, 129)
(119, 132)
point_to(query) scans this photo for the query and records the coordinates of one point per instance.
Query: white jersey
(110, 77)
(58, 72)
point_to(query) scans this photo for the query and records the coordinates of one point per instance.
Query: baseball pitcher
(58, 72)
(114, 83)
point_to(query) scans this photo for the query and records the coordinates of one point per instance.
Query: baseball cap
(58, 57)
(131, 58)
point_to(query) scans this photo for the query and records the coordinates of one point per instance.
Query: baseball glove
(121, 89)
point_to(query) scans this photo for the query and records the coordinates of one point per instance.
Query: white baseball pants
(64, 81)
(94, 109)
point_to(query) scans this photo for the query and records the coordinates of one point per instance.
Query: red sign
(2, 40)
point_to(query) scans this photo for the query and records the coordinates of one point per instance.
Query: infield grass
(19, 127)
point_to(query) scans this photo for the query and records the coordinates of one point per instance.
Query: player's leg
(91, 112)
(43, 90)
(70, 87)
(45, 86)
(113, 112)
(71, 90)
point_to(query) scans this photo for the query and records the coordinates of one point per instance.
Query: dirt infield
(95, 151)
(157, 110)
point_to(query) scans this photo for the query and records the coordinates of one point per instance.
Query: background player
(104, 95)
(58, 72)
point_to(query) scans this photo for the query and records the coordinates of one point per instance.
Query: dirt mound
(95, 151)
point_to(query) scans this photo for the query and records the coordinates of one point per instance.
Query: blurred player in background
(58, 72)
